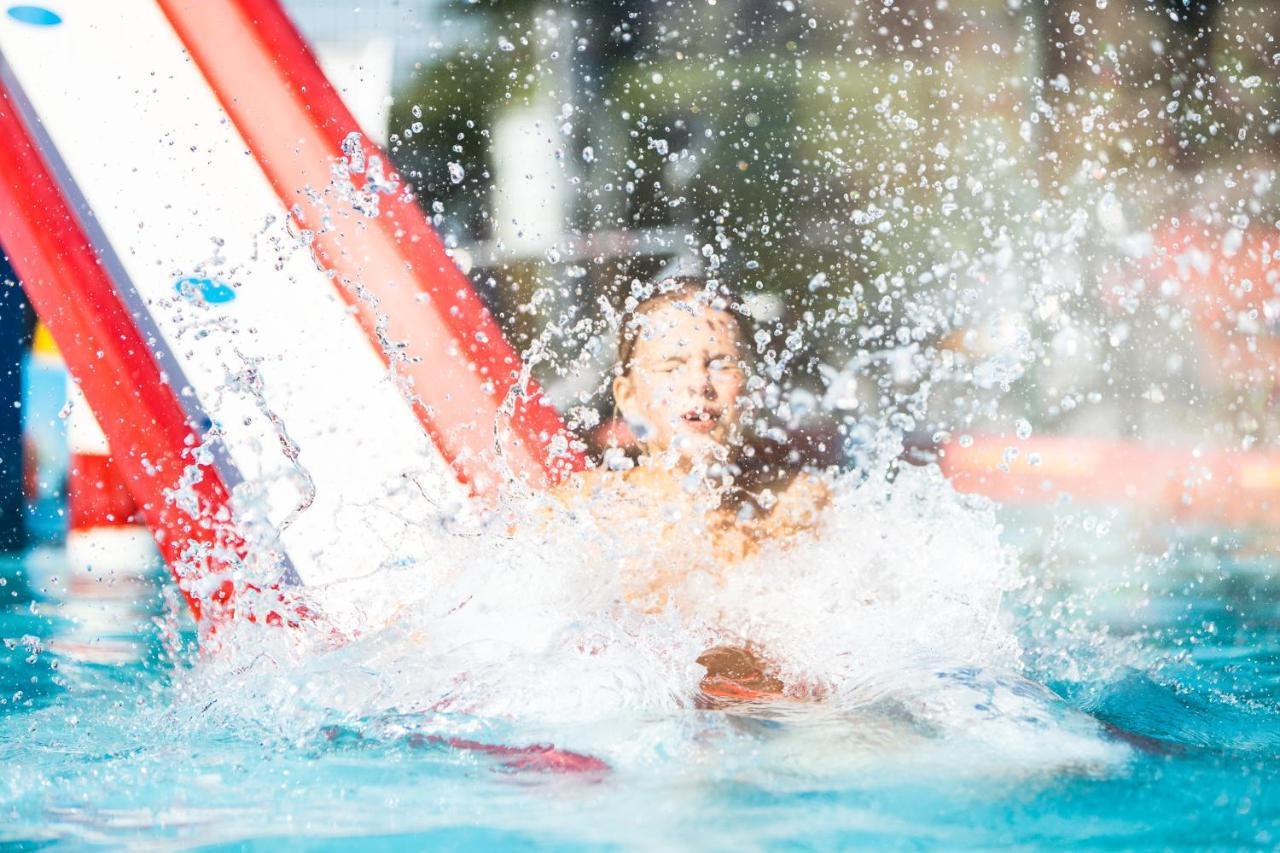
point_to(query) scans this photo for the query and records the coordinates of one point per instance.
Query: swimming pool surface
(100, 743)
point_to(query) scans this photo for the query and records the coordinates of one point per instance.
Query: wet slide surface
(200, 296)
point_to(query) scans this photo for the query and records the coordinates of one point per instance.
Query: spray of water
(891, 626)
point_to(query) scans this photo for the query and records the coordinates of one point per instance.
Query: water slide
(277, 346)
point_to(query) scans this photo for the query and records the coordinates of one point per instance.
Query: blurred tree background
(950, 214)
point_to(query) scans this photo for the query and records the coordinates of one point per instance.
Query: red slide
(248, 334)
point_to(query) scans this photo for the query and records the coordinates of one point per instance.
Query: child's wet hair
(712, 293)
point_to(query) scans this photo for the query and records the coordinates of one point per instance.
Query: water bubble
(616, 459)
(588, 154)
(902, 421)
(456, 173)
(353, 152)
(1022, 429)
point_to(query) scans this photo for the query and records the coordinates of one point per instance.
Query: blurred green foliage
(896, 172)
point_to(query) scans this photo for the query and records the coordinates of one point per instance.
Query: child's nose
(703, 384)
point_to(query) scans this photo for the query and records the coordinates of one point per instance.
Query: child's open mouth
(702, 420)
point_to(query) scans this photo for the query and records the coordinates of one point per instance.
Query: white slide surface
(267, 348)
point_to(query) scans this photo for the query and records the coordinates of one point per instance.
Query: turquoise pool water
(102, 744)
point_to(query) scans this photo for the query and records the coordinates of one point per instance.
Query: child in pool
(681, 384)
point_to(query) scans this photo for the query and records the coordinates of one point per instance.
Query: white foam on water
(893, 613)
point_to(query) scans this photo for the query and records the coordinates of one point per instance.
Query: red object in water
(719, 687)
(539, 758)
(1184, 482)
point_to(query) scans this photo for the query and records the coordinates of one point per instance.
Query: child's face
(683, 388)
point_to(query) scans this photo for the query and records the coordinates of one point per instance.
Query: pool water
(1170, 639)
